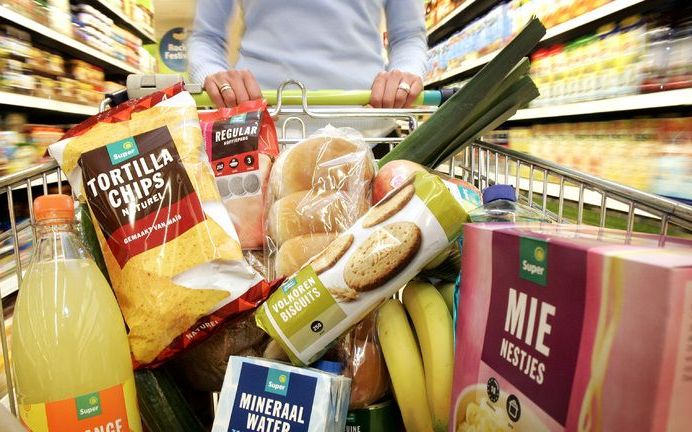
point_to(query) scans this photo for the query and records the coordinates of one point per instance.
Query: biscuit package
(364, 265)
(241, 144)
(572, 328)
(172, 254)
(319, 188)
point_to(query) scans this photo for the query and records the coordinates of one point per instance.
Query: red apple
(391, 175)
(394, 173)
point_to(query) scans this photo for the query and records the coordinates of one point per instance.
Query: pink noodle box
(572, 328)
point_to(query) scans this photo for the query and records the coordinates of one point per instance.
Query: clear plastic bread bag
(364, 363)
(318, 188)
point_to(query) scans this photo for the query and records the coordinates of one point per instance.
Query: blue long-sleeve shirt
(326, 44)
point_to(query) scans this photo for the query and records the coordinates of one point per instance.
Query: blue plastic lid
(329, 366)
(499, 191)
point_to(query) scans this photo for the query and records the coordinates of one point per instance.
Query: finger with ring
(225, 87)
(406, 87)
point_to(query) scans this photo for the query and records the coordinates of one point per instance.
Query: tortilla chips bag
(171, 250)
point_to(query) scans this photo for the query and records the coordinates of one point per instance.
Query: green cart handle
(334, 97)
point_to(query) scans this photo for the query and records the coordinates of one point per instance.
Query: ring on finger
(406, 87)
(225, 87)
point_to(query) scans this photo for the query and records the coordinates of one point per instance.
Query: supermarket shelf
(458, 18)
(25, 101)
(8, 285)
(462, 71)
(667, 99)
(117, 15)
(66, 44)
(590, 17)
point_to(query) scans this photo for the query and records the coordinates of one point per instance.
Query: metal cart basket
(562, 194)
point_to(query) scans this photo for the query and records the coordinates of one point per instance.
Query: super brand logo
(122, 150)
(239, 118)
(288, 284)
(88, 405)
(533, 256)
(277, 382)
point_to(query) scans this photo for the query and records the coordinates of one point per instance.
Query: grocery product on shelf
(437, 10)
(500, 205)
(23, 144)
(28, 69)
(369, 262)
(69, 347)
(95, 29)
(15, 49)
(318, 186)
(493, 30)
(543, 337)
(165, 236)
(490, 98)
(259, 394)
(241, 145)
(650, 154)
(636, 55)
(87, 24)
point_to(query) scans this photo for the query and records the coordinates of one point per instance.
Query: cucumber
(161, 405)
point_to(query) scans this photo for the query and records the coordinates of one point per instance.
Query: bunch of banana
(420, 365)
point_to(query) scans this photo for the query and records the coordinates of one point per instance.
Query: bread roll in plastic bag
(364, 363)
(319, 186)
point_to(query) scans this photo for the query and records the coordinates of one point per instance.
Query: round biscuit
(382, 255)
(388, 206)
(332, 253)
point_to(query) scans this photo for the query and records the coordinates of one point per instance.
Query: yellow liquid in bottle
(70, 347)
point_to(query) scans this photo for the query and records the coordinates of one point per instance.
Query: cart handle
(142, 85)
(334, 97)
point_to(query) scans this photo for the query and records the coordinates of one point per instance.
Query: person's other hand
(232, 87)
(387, 91)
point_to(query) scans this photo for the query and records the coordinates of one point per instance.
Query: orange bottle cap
(54, 206)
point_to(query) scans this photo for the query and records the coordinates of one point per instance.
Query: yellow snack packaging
(171, 250)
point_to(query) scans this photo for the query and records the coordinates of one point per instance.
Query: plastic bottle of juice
(69, 347)
(500, 205)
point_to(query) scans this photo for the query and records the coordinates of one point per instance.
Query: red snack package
(241, 144)
(172, 254)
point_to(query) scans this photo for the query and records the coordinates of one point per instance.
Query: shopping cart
(562, 194)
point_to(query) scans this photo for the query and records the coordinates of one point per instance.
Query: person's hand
(232, 87)
(395, 89)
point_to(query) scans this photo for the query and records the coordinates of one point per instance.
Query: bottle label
(109, 410)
